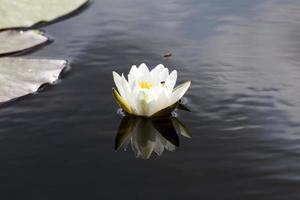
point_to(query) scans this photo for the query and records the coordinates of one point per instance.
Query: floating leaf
(19, 77)
(12, 41)
(25, 13)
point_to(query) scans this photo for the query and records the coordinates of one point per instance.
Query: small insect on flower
(148, 93)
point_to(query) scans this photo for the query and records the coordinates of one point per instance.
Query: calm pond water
(243, 58)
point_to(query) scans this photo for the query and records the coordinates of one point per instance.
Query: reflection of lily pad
(19, 77)
(25, 13)
(12, 41)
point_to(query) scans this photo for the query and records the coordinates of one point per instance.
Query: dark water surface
(243, 57)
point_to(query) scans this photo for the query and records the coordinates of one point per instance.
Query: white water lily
(148, 93)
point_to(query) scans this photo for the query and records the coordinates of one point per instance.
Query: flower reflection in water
(148, 135)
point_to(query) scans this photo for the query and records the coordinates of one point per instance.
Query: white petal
(143, 102)
(135, 92)
(118, 81)
(179, 91)
(133, 73)
(143, 68)
(171, 81)
(161, 102)
(144, 74)
(133, 69)
(127, 91)
(157, 69)
(152, 107)
(163, 75)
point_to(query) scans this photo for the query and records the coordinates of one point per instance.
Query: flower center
(146, 85)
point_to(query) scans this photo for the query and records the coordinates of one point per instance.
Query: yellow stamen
(145, 85)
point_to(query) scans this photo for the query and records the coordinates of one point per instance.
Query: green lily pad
(19, 77)
(12, 41)
(25, 13)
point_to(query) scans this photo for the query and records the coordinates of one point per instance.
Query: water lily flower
(148, 93)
